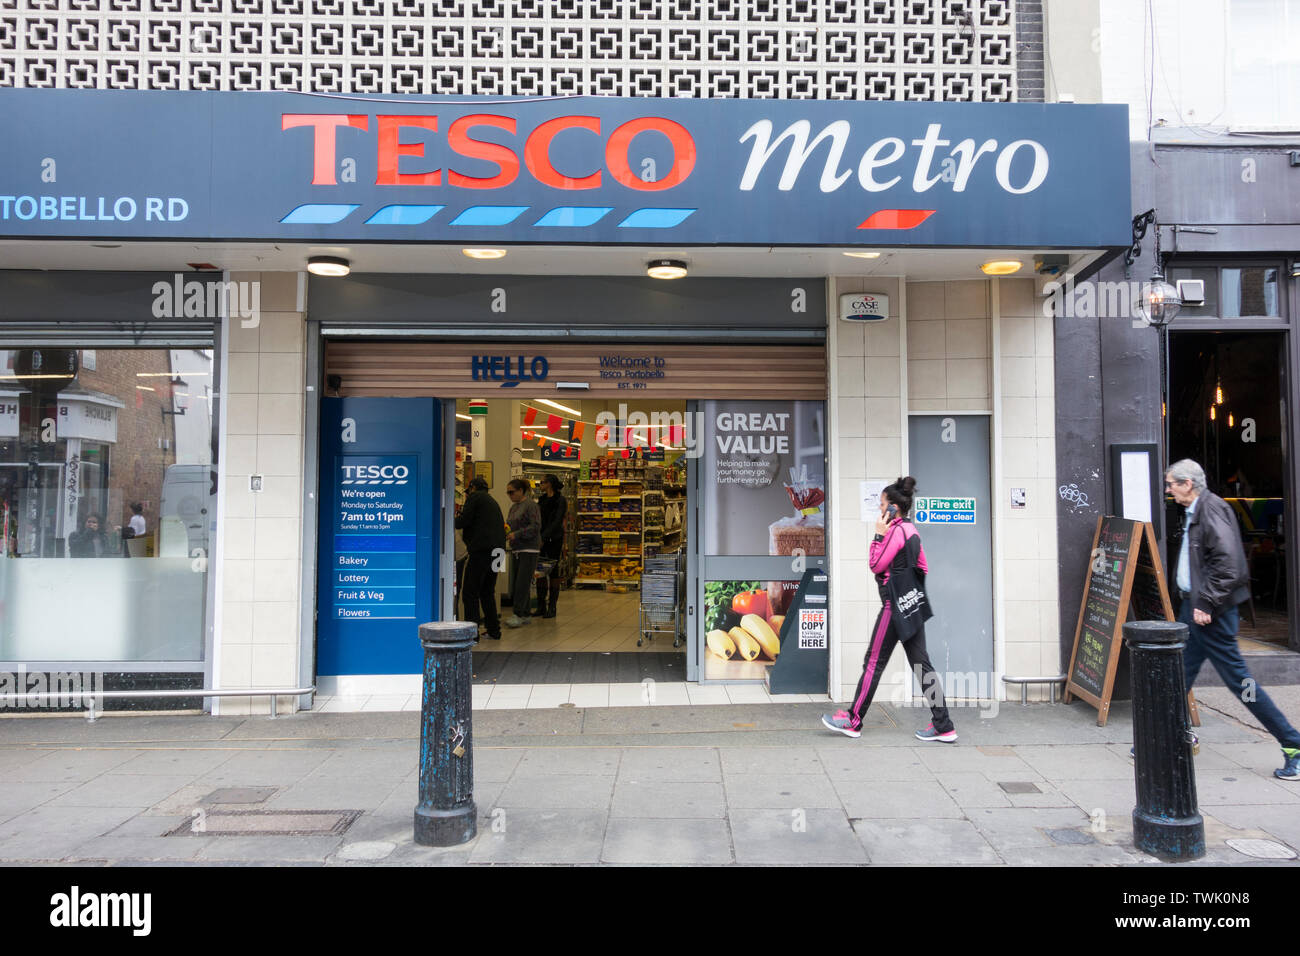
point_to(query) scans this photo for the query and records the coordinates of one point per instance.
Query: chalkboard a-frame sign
(1125, 575)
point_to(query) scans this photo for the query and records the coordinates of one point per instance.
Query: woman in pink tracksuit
(894, 533)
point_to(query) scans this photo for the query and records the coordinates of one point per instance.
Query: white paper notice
(869, 495)
(1135, 477)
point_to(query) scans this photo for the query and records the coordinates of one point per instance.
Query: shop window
(1250, 291)
(1234, 292)
(106, 504)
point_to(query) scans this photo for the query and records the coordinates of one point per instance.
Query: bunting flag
(602, 436)
(553, 423)
(626, 453)
(627, 437)
(568, 452)
(530, 415)
(575, 431)
(529, 436)
(555, 446)
(610, 453)
(675, 433)
(541, 442)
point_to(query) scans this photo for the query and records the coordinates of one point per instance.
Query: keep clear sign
(943, 510)
(374, 538)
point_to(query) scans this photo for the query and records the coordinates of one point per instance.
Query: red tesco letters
(536, 152)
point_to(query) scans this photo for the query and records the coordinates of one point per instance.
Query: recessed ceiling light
(863, 255)
(1000, 267)
(332, 266)
(477, 253)
(665, 269)
(563, 408)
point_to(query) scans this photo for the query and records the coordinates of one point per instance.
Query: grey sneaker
(515, 621)
(947, 737)
(841, 722)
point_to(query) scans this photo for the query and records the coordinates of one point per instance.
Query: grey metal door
(949, 457)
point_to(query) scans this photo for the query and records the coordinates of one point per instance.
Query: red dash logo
(896, 219)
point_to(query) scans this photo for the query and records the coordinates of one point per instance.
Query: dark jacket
(481, 523)
(1216, 560)
(553, 509)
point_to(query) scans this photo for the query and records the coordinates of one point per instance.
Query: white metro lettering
(963, 158)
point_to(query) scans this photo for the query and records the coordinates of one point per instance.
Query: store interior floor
(587, 619)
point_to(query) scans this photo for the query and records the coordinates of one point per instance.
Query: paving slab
(541, 836)
(61, 765)
(174, 760)
(143, 849)
(1115, 797)
(669, 842)
(795, 837)
(16, 798)
(870, 764)
(577, 760)
(558, 791)
(1096, 762)
(1017, 827)
(973, 790)
(1244, 787)
(332, 793)
(927, 842)
(687, 764)
(1062, 855)
(122, 790)
(890, 800)
(495, 764)
(780, 791)
(668, 799)
(50, 833)
(264, 768)
(783, 760)
(1279, 821)
(259, 848)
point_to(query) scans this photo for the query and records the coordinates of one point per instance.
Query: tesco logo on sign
(465, 138)
(372, 474)
(864, 307)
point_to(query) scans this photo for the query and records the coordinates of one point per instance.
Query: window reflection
(105, 503)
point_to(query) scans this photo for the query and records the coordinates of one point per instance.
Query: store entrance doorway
(593, 494)
(1227, 411)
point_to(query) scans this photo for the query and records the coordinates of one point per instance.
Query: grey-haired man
(1212, 578)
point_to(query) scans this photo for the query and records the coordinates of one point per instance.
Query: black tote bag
(905, 591)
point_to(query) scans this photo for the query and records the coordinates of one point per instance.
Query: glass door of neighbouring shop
(1228, 411)
(761, 489)
(379, 527)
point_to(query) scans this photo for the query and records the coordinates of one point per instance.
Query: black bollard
(445, 815)
(1166, 823)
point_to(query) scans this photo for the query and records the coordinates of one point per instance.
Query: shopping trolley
(662, 590)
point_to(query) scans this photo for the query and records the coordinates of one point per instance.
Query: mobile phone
(892, 511)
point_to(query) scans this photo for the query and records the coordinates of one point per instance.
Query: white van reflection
(183, 515)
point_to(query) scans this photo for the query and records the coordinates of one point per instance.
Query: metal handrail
(204, 692)
(1024, 683)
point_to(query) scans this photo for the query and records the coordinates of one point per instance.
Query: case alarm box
(864, 307)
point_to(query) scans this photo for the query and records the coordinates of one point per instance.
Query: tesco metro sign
(884, 163)
(635, 171)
